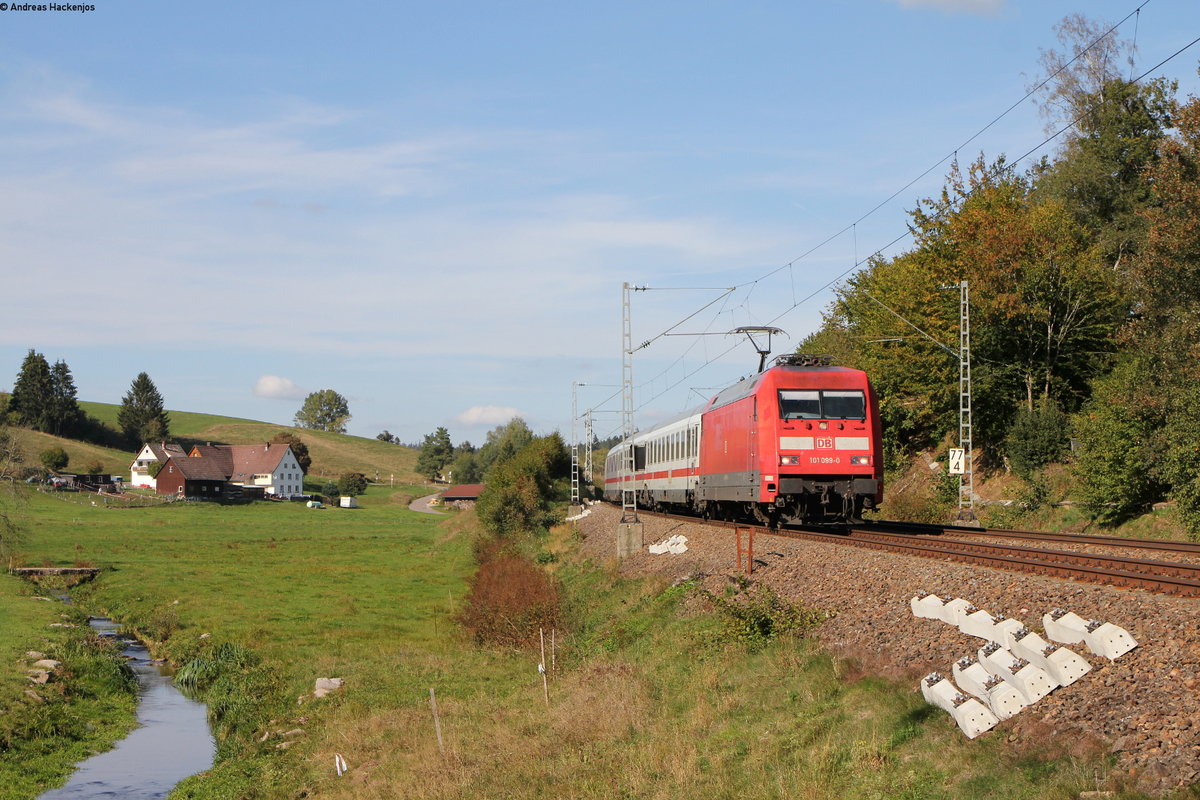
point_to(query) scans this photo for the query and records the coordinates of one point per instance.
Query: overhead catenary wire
(852, 227)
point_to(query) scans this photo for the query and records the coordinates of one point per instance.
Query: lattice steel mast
(966, 482)
(628, 497)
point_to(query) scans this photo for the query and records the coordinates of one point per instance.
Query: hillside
(332, 453)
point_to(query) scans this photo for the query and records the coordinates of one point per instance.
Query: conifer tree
(30, 402)
(65, 416)
(142, 417)
(436, 452)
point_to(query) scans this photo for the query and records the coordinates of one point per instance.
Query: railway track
(922, 528)
(963, 545)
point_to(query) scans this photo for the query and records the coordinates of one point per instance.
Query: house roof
(463, 491)
(250, 459)
(197, 469)
(242, 461)
(163, 450)
(218, 453)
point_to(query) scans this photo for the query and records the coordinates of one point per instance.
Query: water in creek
(171, 742)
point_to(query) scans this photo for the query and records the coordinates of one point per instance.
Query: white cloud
(274, 386)
(488, 415)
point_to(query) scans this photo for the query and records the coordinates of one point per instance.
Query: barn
(197, 478)
(463, 495)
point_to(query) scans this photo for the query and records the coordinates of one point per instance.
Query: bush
(1036, 438)
(519, 490)
(55, 459)
(351, 483)
(755, 617)
(1116, 467)
(509, 599)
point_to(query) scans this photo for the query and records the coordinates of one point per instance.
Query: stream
(172, 740)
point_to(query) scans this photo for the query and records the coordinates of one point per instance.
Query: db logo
(824, 444)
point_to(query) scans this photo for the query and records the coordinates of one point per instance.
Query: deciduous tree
(503, 442)
(299, 448)
(352, 483)
(11, 460)
(324, 410)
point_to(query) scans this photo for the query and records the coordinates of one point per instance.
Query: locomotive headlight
(789, 461)
(860, 461)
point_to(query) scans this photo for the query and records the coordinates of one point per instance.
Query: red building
(201, 478)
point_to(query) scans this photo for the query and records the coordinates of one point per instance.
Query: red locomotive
(799, 442)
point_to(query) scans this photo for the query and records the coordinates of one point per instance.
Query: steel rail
(1066, 538)
(1141, 566)
(1165, 577)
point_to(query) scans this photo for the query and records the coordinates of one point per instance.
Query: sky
(432, 208)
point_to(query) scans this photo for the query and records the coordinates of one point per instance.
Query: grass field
(83, 710)
(644, 700)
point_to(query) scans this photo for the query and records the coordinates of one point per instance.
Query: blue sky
(432, 207)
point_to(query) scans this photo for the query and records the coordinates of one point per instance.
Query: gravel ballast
(1144, 706)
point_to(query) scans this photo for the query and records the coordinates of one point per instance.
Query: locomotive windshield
(826, 404)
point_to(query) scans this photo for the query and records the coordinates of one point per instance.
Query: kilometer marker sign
(957, 461)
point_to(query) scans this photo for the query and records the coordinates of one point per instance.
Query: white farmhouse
(271, 466)
(147, 457)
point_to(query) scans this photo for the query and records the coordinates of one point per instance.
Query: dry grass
(82, 454)
(332, 453)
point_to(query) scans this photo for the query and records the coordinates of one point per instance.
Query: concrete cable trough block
(1006, 632)
(971, 716)
(1062, 665)
(1002, 698)
(1102, 638)
(938, 691)
(1064, 626)
(1108, 640)
(1031, 681)
(956, 610)
(979, 624)
(926, 605)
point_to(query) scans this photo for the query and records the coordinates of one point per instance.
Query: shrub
(352, 483)
(509, 599)
(1036, 438)
(55, 459)
(1116, 467)
(520, 489)
(755, 616)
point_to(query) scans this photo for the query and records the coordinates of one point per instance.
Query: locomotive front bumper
(840, 485)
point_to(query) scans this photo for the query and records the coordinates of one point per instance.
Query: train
(797, 443)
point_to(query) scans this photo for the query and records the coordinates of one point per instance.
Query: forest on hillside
(1084, 276)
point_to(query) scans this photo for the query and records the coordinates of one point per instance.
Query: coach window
(799, 404)
(848, 404)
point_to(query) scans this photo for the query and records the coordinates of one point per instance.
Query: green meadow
(332, 453)
(647, 695)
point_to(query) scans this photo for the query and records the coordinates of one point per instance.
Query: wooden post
(542, 667)
(437, 721)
